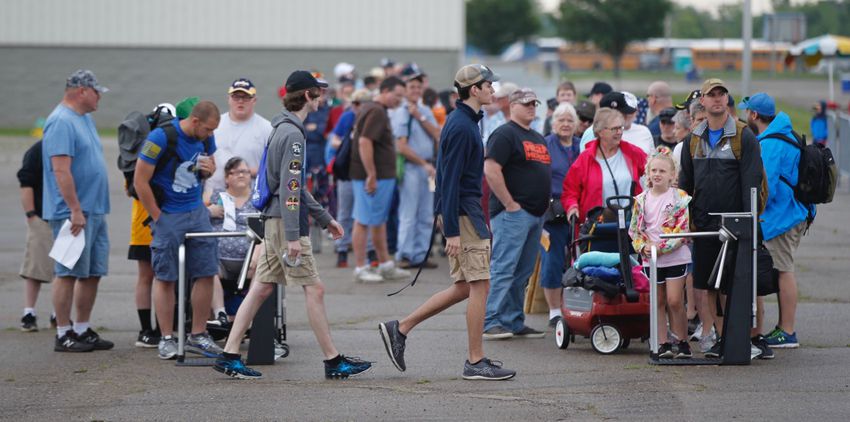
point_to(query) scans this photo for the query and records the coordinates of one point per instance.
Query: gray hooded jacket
(285, 173)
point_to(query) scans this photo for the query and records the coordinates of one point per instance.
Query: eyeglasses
(240, 172)
(241, 98)
(616, 128)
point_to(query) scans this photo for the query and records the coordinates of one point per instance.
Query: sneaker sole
(29, 330)
(64, 350)
(174, 356)
(342, 377)
(484, 378)
(766, 357)
(502, 336)
(711, 355)
(236, 375)
(385, 336)
(202, 352)
(684, 356)
(144, 345)
(670, 355)
(784, 346)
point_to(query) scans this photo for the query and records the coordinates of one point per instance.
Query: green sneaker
(779, 339)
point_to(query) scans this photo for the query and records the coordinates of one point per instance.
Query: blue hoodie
(782, 211)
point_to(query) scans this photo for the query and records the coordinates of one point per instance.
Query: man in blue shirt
(460, 168)
(177, 177)
(76, 190)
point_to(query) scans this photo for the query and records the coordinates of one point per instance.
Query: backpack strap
(170, 152)
(735, 142)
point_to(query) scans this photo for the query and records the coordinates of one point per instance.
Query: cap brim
(743, 106)
(494, 77)
(247, 91)
(321, 83)
(627, 110)
(101, 89)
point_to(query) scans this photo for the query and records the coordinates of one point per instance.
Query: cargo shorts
(274, 269)
(473, 262)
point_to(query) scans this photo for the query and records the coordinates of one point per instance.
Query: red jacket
(583, 184)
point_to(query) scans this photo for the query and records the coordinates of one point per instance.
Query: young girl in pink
(663, 209)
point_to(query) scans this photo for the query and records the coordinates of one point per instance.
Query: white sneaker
(393, 273)
(697, 335)
(706, 343)
(368, 275)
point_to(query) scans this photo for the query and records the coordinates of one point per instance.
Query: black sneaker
(486, 369)
(147, 339)
(346, 367)
(766, 352)
(553, 321)
(683, 350)
(28, 323)
(342, 259)
(394, 343)
(528, 332)
(94, 339)
(716, 351)
(665, 351)
(70, 343)
(497, 333)
(53, 321)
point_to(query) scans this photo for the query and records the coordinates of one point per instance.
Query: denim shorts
(94, 261)
(374, 209)
(168, 234)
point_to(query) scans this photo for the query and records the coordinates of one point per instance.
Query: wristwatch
(31, 213)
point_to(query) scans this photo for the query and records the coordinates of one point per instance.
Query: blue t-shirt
(714, 137)
(343, 126)
(68, 133)
(182, 187)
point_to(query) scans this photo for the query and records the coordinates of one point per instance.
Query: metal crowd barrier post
(182, 286)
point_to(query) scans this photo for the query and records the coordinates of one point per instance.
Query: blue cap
(761, 103)
(84, 78)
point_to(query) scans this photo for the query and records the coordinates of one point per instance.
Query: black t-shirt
(526, 166)
(30, 174)
(660, 142)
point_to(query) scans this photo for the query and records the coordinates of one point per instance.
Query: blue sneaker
(347, 367)
(779, 339)
(236, 369)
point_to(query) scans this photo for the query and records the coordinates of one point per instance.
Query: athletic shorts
(94, 261)
(705, 254)
(273, 268)
(374, 209)
(139, 253)
(782, 248)
(201, 253)
(473, 262)
(669, 273)
(38, 265)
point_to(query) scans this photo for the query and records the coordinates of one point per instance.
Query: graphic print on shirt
(184, 176)
(536, 152)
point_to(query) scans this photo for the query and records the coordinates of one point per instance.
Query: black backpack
(818, 173)
(342, 161)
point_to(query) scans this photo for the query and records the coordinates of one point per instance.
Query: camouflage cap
(472, 74)
(523, 96)
(84, 78)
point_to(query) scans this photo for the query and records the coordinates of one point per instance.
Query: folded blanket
(597, 259)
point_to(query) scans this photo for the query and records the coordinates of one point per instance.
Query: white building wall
(289, 24)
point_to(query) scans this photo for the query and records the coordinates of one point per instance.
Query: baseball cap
(712, 83)
(185, 106)
(505, 89)
(731, 101)
(617, 101)
(523, 96)
(631, 99)
(688, 100)
(243, 85)
(761, 103)
(302, 79)
(586, 110)
(600, 88)
(361, 95)
(666, 115)
(472, 74)
(84, 78)
(412, 71)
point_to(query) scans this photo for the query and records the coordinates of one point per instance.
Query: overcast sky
(759, 6)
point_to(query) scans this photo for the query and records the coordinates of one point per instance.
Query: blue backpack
(262, 194)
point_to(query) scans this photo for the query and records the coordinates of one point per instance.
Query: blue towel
(604, 273)
(597, 259)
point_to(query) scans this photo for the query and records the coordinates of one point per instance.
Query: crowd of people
(388, 166)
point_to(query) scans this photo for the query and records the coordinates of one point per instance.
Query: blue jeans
(415, 215)
(552, 262)
(516, 236)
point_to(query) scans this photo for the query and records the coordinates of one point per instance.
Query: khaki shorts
(473, 262)
(782, 248)
(37, 263)
(273, 269)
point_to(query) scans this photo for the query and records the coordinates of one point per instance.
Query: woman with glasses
(227, 213)
(607, 167)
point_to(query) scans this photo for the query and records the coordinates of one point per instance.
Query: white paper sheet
(67, 248)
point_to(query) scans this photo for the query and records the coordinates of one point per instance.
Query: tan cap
(471, 74)
(523, 96)
(361, 95)
(505, 89)
(712, 83)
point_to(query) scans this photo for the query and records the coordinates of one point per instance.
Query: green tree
(822, 17)
(612, 24)
(492, 25)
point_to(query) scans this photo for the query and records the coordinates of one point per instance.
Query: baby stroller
(610, 314)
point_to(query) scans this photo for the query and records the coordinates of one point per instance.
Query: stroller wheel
(605, 339)
(626, 342)
(562, 334)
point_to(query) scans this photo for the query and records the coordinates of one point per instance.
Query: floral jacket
(676, 220)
